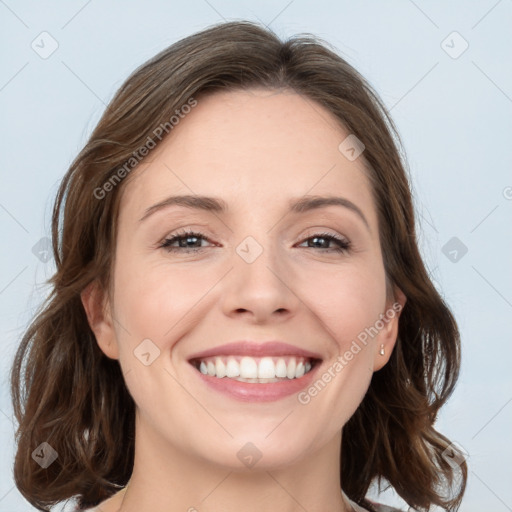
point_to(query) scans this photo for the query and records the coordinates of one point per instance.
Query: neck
(171, 479)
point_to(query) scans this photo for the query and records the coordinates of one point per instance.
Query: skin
(256, 150)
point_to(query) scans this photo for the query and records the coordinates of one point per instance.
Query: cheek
(346, 301)
(159, 300)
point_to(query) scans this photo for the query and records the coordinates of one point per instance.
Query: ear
(387, 337)
(97, 309)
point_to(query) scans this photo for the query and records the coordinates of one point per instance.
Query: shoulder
(102, 507)
(385, 508)
(97, 508)
(110, 504)
(376, 507)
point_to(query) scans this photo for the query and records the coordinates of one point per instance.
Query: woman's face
(257, 272)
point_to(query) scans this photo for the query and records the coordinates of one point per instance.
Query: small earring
(381, 351)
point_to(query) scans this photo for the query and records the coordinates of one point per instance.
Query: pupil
(315, 239)
(188, 238)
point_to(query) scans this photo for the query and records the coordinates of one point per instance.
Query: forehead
(256, 149)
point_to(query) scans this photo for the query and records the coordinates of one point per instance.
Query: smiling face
(255, 269)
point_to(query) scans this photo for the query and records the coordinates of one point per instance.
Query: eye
(187, 242)
(342, 244)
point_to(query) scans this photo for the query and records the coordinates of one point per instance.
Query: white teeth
(281, 368)
(232, 368)
(248, 368)
(266, 368)
(220, 368)
(257, 381)
(211, 368)
(299, 371)
(290, 371)
(260, 370)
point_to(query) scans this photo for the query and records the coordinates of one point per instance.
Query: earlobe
(386, 340)
(97, 309)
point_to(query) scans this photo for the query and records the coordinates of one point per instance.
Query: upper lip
(254, 349)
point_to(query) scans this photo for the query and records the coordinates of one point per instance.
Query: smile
(248, 371)
(255, 370)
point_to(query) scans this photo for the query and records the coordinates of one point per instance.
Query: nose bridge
(259, 248)
(258, 281)
(258, 260)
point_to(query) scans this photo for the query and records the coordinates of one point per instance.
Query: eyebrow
(217, 205)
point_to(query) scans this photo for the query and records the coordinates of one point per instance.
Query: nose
(261, 290)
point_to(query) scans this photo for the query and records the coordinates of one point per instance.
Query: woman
(240, 317)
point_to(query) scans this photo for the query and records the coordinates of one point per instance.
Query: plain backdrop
(442, 68)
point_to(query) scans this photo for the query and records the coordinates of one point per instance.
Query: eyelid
(325, 231)
(187, 230)
(343, 245)
(184, 232)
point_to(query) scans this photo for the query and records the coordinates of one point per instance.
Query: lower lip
(253, 392)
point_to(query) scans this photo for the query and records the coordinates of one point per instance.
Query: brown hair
(70, 395)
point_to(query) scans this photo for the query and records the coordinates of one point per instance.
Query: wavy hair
(67, 393)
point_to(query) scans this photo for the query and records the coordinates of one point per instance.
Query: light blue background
(454, 116)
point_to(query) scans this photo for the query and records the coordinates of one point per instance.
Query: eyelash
(344, 245)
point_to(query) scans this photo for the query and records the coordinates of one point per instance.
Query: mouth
(254, 372)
